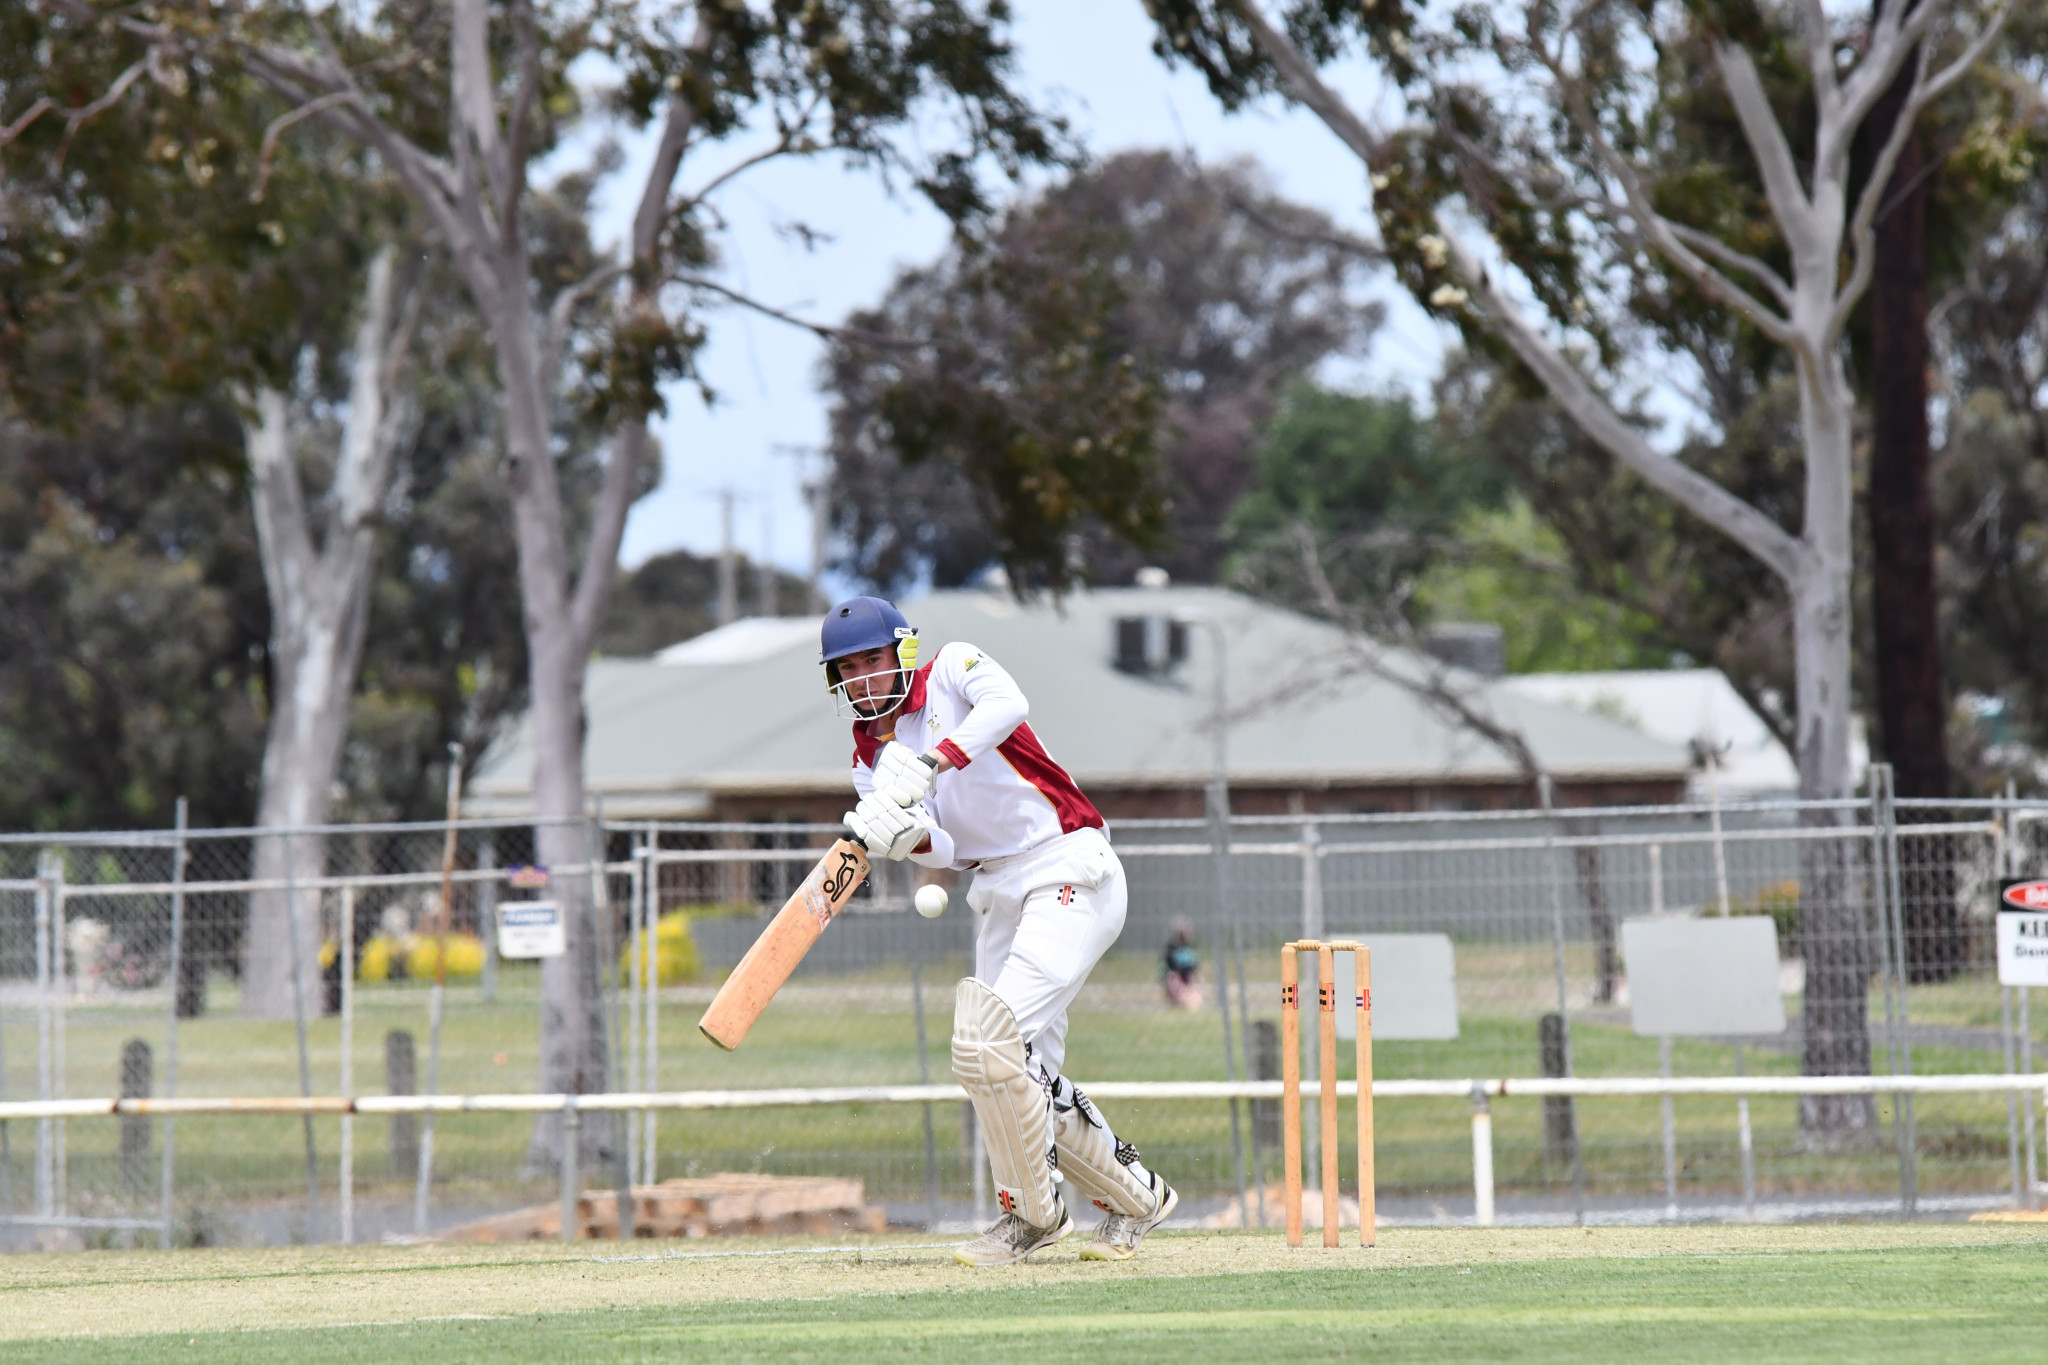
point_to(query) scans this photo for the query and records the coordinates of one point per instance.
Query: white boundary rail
(1479, 1089)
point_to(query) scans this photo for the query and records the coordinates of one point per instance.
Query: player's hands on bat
(903, 775)
(888, 830)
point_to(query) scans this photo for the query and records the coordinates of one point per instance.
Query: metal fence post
(166, 1179)
(347, 929)
(1482, 1157)
(60, 1161)
(2012, 1098)
(601, 904)
(1547, 792)
(1312, 927)
(1884, 818)
(924, 1077)
(631, 988)
(487, 913)
(1745, 1140)
(572, 1142)
(650, 1033)
(1670, 1131)
(46, 1047)
(291, 919)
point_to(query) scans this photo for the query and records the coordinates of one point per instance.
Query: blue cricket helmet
(859, 624)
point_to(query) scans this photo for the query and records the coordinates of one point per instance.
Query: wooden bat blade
(783, 943)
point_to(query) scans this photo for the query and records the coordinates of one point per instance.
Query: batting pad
(1015, 1112)
(1108, 1172)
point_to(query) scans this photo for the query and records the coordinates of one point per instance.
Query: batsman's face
(870, 675)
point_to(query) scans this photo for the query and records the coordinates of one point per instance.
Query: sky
(1091, 61)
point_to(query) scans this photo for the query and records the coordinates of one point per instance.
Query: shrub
(1781, 902)
(465, 956)
(378, 957)
(675, 952)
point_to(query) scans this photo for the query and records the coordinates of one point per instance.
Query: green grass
(827, 1031)
(1926, 1293)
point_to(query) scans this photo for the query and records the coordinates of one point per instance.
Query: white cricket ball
(931, 901)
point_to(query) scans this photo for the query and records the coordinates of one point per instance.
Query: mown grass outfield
(1942, 1292)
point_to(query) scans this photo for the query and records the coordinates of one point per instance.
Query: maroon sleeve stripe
(954, 752)
(1035, 766)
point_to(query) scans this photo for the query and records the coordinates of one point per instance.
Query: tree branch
(370, 435)
(668, 159)
(823, 330)
(528, 41)
(1820, 52)
(781, 146)
(1790, 204)
(1708, 244)
(1651, 226)
(1925, 89)
(1937, 85)
(279, 500)
(477, 132)
(10, 132)
(277, 127)
(1305, 83)
(1436, 688)
(74, 119)
(1772, 544)
(607, 528)
(561, 312)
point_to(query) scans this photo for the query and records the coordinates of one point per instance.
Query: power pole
(728, 563)
(764, 567)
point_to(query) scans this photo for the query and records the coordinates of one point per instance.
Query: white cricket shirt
(1004, 794)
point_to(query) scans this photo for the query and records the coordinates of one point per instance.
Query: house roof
(1683, 706)
(744, 709)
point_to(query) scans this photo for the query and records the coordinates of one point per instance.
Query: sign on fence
(1703, 978)
(530, 929)
(2023, 933)
(1414, 988)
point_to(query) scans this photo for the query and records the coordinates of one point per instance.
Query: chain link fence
(162, 964)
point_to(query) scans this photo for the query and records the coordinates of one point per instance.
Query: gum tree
(459, 101)
(1532, 194)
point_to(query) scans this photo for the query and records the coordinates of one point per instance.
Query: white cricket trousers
(1047, 917)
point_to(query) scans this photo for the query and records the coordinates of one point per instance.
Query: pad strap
(1102, 1169)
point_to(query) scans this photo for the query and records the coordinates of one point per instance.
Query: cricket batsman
(950, 775)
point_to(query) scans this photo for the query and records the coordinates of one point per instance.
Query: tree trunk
(319, 610)
(1911, 698)
(574, 1052)
(1832, 910)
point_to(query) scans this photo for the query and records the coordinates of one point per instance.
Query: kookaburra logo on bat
(844, 876)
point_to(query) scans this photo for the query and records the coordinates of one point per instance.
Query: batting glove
(904, 775)
(888, 830)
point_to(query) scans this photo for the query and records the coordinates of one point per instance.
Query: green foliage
(1675, 586)
(1177, 299)
(672, 597)
(130, 600)
(1347, 463)
(1512, 570)
(1019, 382)
(1361, 482)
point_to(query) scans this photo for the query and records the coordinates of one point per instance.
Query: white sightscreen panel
(1414, 988)
(1703, 977)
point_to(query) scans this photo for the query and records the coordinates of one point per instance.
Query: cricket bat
(783, 943)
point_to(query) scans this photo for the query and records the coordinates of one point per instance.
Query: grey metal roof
(1305, 706)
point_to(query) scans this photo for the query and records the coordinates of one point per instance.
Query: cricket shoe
(1011, 1239)
(1118, 1237)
